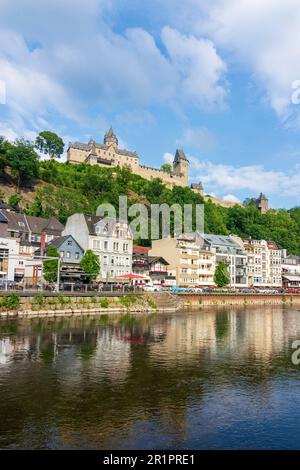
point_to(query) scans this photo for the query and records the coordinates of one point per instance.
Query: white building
(264, 263)
(290, 271)
(9, 258)
(110, 240)
(228, 250)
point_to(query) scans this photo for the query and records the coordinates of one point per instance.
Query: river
(220, 378)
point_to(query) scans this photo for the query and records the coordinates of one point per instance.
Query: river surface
(221, 378)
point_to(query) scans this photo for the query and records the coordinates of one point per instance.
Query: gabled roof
(140, 250)
(197, 185)
(222, 240)
(157, 259)
(91, 221)
(58, 242)
(26, 223)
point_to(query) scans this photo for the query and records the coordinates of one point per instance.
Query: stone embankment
(190, 300)
(165, 302)
(67, 305)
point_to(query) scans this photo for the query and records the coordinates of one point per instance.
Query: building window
(105, 245)
(68, 254)
(77, 255)
(62, 254)
(96, 244)
(70, 242)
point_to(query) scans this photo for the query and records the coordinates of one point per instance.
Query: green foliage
(14, 200)
(10, 302)
(51, 265)
(4, 147)
(50, 143)
(221, 277)
(39, 300)
(167, 167)
(23, 162)
(90, 264)
(64, 300)
(104, 303)
(129, 300)
(151, 303)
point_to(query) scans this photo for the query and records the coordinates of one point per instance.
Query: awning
(291, 278)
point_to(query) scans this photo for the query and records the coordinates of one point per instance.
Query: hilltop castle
(108, 155)
(262, 203)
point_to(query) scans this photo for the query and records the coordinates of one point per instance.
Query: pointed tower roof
(110, 137)
(180, 155)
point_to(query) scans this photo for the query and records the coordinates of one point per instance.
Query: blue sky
(215, 78)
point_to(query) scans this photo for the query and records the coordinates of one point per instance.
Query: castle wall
(80, 156)
(76, 156)
(110, 156)
(152, 173)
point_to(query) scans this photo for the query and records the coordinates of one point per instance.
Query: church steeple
(110, 138)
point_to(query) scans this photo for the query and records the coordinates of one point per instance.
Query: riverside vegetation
(58, 304)
(61, 189)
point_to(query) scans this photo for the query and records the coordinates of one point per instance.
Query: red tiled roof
(140, 250)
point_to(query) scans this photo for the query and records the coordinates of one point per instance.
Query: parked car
(177, 289)
(152, 288)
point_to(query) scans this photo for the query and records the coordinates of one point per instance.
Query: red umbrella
(130, 276)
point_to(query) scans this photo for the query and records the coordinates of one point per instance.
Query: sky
(220, 79)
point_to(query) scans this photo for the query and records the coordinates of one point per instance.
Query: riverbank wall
(80, 305)
(196, 301)
(59, 305)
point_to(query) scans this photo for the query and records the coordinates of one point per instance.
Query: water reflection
(220, 378)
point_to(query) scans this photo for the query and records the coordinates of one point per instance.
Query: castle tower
(181, 166)
(197, 188)
(110, 138)
(262, 203)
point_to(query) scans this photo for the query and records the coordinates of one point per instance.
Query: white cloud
(251, 178)
(168, 158)
(260, 35)
(66, 59)
(231, 198)
(200, 67)
(199, 138)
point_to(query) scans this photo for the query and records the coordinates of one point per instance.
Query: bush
(128, 301)
(63, 300)
(39, 300)
(104, 303)
(151, 303)
(11, 302)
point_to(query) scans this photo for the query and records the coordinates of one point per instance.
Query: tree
(90, 264)
(23, 161)
(167, 167)
(14, 200)
(50, 143)
(221, 277)
(4, 146)
(51, 265)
